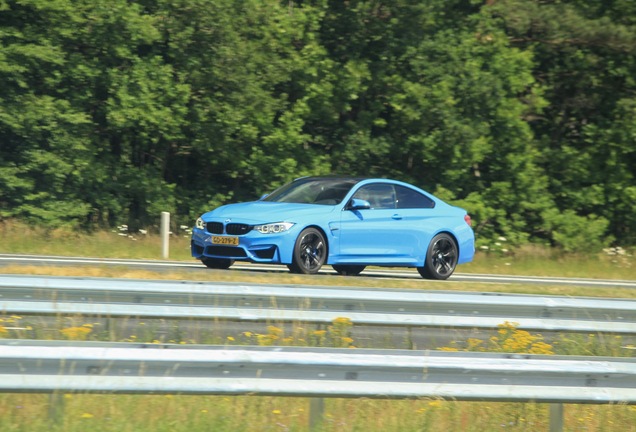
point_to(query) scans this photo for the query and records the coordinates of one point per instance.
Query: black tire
(349, 270)
(217, 263)
(310, 252)
(441, 258)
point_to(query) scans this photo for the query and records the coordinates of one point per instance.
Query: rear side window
(408, 198)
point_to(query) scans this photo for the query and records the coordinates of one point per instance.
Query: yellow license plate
(232, 241)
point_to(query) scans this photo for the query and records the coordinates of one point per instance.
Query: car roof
(357, 179)
(332, 177)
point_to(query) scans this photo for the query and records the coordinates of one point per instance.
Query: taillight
(468, 220)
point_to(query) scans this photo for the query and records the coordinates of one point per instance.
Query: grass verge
(178, 413)
(615, 263)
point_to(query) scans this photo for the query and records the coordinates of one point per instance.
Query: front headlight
(274, 228)
(199, 224)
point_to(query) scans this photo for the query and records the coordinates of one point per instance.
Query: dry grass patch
(284, 278)
(174, 413)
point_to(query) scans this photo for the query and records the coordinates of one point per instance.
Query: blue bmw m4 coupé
(348, 223)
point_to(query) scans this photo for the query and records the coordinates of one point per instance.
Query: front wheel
(310, 252)
(217, 263)
(441, 258)
(348, 270)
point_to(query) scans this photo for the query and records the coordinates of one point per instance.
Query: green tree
(45, 153)
(434, 93)
(584, 59)
(251, 69)
(522, 111)
(138, 106)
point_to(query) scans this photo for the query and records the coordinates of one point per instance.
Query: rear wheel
(217, 263)
(310, 252)
(441, 258)
(348, 270)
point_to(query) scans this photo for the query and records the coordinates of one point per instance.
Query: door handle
(396, 217)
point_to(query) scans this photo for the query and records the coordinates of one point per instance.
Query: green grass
(178, 413)
(615, 263)
(20, 238)
(528, 260)
(174, 413)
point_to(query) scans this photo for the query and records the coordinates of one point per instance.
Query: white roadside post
(165, 232)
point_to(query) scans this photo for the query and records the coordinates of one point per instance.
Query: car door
(377, 234)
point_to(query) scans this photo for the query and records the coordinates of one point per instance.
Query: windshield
(312, 190)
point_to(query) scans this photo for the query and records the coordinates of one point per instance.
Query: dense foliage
(522, 111)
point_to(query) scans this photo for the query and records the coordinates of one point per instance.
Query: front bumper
(253, 246)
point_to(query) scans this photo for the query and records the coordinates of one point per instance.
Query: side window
(379, 195)
(408, 198)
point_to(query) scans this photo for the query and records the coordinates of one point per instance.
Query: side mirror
(358, 204)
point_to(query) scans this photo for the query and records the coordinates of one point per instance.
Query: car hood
(257, 212)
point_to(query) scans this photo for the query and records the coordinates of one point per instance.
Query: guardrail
(48, 366)
(241, 302)
(97, 367)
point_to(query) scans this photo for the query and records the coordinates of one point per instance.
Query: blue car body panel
(383, 237)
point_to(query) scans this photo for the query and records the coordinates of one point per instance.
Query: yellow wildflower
(76, 333)
(274, 330)
(342, 320)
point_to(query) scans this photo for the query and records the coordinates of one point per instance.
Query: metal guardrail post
(556, 417)
(165, 231)
(316, 413)
(56, 407)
